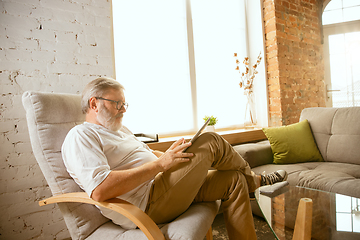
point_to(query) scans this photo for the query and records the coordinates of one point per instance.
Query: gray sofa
(337, 134)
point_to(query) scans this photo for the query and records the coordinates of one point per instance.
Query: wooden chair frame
(135, 214)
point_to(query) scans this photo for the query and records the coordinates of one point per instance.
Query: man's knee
(209, 137)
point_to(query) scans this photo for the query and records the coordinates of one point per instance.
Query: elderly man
(107, 161)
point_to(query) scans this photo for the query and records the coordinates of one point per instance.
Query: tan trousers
(174, 191)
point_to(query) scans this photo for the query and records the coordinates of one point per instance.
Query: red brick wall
(294, 56)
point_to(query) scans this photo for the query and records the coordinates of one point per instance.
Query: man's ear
(93, 104)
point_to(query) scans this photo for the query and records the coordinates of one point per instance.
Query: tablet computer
(198, 133)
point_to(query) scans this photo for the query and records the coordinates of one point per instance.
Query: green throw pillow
(293, 143)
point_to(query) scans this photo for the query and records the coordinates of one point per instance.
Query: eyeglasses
(119, 104)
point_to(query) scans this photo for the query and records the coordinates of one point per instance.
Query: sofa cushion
(193, 224)
(336, 132)
(293, 143)
(340, 178)
(256, 154)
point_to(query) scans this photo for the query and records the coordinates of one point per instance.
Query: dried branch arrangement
(247, 77)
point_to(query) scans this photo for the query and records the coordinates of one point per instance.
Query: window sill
(234, 137)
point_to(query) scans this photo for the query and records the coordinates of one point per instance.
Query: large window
(175, 60)
(341, 22)
(338, 11)
(347, 214)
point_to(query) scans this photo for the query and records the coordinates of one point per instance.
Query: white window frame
(256, 36)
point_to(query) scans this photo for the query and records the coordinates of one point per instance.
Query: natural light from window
(175, 60)
(345, 71)
(338, 11)
(347, 214)
(342, 52)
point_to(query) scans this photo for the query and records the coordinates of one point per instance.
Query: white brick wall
(51, 46)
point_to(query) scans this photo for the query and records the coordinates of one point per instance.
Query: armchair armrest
(135, 214)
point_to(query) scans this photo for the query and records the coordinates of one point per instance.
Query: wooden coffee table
(332, 216)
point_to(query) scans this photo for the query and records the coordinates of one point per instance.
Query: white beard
(107, 120)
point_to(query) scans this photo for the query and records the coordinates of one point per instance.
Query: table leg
(302, 230)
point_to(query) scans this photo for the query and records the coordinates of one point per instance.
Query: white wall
(51, 46)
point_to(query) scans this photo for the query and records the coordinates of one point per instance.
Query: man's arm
(119, 182)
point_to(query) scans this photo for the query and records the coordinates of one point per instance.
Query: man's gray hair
(97, 88)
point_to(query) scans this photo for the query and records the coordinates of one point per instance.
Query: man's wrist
(158, 166)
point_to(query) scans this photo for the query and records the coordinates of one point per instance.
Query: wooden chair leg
(303, 222)
(209, 235)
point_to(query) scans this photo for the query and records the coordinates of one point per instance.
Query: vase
(210, 128)
(250, 114)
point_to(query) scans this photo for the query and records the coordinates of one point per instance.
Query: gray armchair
(50, 116)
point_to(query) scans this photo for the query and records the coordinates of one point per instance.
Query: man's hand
(174, 155)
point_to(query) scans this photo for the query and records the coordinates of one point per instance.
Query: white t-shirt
(91, 151)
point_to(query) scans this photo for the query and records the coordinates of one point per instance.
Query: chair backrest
(50, 116)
